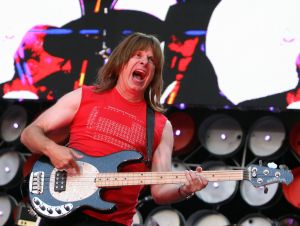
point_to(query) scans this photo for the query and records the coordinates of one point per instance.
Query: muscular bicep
(162, 157)
(61, 114)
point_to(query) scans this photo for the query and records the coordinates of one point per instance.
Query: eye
(151, 60)
(138, 54)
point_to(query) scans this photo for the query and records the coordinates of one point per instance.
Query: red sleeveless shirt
(106, 123)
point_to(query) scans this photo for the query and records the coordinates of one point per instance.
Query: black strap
(149, 134)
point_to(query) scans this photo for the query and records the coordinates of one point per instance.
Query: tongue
(137, 77)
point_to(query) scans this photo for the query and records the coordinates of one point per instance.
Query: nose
(144, 60)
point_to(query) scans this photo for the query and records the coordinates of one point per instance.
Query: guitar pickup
(36, 182)
(60, 181)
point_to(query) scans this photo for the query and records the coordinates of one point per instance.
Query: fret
(148, 178)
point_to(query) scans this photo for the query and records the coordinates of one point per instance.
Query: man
(110, 117)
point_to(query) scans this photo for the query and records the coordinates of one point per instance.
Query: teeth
(139, 73)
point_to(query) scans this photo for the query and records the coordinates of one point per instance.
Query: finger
(197, 181)
(199, 169)
(203, 181)
(189, 177)
(71, 171)
(194, 176)
(75, 166)
(194, 182)
(75, 154)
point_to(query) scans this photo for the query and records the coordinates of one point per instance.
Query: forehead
(148, 51)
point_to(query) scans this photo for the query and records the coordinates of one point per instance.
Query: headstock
(262, 175)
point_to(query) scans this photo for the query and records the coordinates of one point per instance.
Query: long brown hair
(108, 74)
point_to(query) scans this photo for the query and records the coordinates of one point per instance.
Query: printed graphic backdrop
(225, 53)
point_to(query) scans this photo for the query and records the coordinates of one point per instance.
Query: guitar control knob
(266, 189)
(42, 207)
(50, 210)
(67, 208)
(36, 201)
(58, 210)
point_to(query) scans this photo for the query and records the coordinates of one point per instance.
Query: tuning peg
(266, 189)
(284, 167)
(260, 162)
(272, 165)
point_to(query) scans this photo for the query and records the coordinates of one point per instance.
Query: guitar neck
(148, 178)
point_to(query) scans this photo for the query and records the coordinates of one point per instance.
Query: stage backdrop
(219, 53)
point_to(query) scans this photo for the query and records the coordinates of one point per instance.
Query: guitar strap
(149, 134)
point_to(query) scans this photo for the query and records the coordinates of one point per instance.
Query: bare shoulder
(168, 129)
(166, 142)
(61, 113)
(71, 98)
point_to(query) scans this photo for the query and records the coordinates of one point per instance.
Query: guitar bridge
(36, 182)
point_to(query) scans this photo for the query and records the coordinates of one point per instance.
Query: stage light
(217, 192)
(12, 123)
(266, 137)
(221, 135)
(137, 219)
(184, 131)
(165, 216)
(256, 196)
(7, 206)
(289, 220)
(256, 219)
(11, 163)
(207, 218)
(292, 191)
(294, 140)
(179, 166)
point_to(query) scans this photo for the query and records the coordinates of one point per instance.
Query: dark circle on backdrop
(255, 196)
(219, 192)
(289, 220)
(207, 218)
(11, 164)
(165, 215)
(256, 219)
(294, 140)
(292, 191)
(12, 123)
(7, 206)
(184, 131)
(179, 166)
(221, 135)
(137, 218)
(267, 136)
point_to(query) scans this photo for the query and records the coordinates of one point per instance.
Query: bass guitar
(54, 194)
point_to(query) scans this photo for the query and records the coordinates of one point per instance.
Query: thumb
(199, 169)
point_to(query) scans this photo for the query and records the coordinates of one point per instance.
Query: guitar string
(163, 173)
(138, 180)
(109, 176)
(155, 174)
(145, 175)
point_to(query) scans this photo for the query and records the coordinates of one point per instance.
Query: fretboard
(148, 178)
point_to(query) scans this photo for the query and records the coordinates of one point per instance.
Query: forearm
(168, 193)
(34, 138)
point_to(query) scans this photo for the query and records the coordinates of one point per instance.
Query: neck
(148, 178)
(130, 95)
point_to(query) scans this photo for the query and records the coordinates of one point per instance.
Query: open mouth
(139, 74)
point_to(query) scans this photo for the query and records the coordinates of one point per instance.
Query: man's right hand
(65, 158)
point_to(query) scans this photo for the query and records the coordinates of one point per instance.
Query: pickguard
(78, 187)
